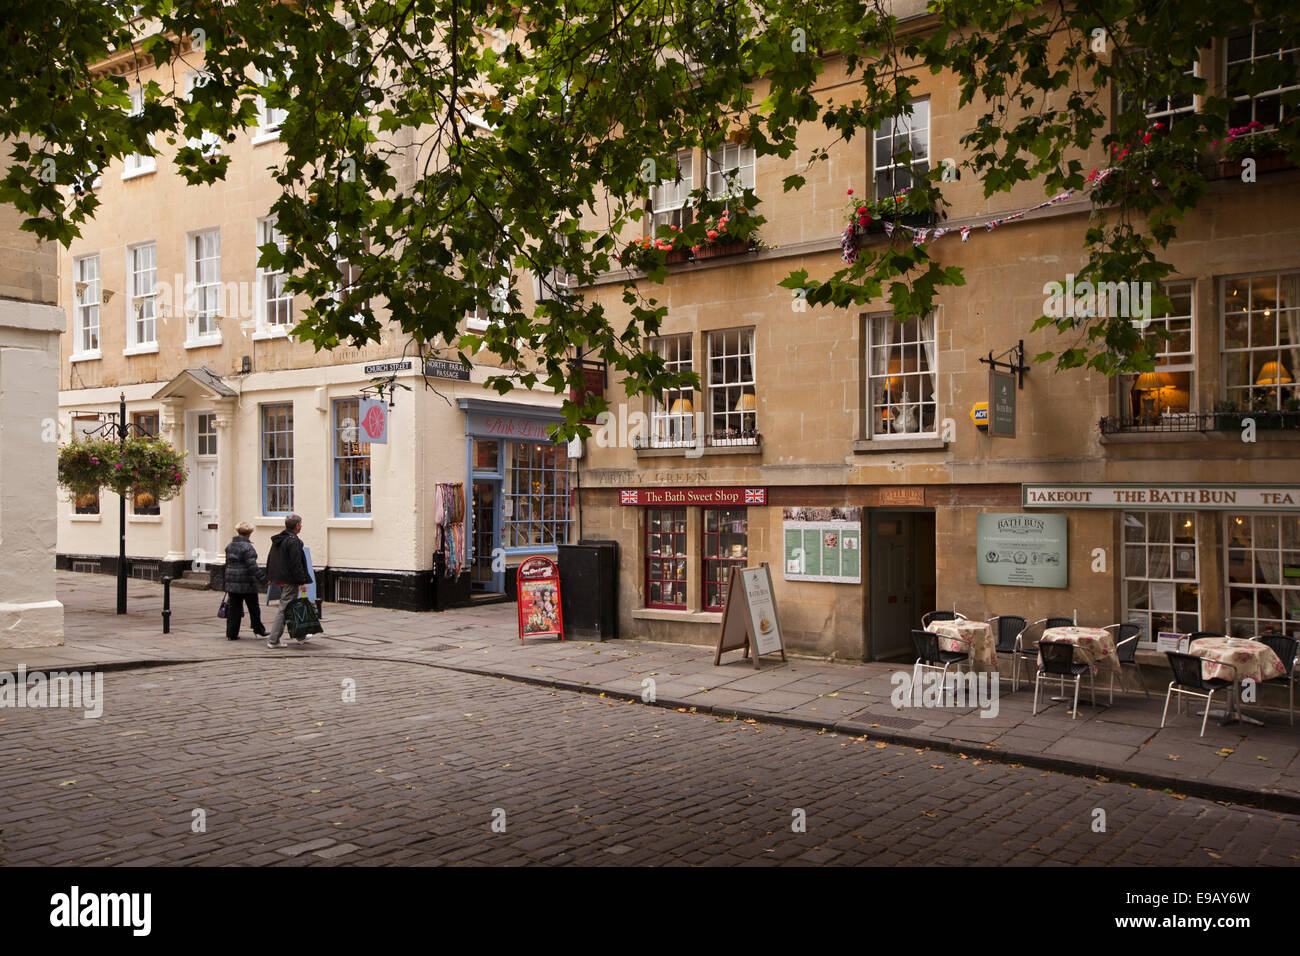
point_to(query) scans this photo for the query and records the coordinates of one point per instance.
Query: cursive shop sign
(1180, 497)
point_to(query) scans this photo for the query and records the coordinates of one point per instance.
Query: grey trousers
(287, 594)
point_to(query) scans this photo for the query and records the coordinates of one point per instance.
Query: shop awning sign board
(749, 619)
(683, 496)
(1171, 497)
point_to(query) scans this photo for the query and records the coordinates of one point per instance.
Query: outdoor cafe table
(1092, 645)
(1247, 659)
(983, 647)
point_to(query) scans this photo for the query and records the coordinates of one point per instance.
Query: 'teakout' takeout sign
(1179, 497)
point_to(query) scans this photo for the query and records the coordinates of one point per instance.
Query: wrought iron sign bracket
(1016, 366)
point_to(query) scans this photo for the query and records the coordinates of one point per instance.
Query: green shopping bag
(301, 620)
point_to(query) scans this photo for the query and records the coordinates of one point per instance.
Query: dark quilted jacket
(242, 573)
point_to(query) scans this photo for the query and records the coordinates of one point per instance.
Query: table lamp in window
(1149, 386)
(1274, 373)
(747, 404)
(680, 425)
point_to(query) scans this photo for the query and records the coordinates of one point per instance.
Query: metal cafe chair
(1189, 682)
(932, 616)
(1195, 636)
(930, 656)
(1285, 648)
(1059, 622)
(1058, 661)
(1126, 643)
(1008, 628)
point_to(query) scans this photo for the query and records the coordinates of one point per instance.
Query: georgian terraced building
(839, 447)
(166, 305)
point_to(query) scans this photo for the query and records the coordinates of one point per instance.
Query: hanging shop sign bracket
(1016, 366)
(385, 388)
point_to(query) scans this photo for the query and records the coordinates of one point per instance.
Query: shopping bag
(300, 617)
(225, 606)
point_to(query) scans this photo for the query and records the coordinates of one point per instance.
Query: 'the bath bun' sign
(749, 619)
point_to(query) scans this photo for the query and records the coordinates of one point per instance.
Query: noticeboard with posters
(1022, 550)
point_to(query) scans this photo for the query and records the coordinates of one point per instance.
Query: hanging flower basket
(140, 466)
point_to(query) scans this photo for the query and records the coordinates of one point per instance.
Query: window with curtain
(901, 376)
(1263, 571)
(1261, 340)
(670, 198)
(733, 402)
(275, 301)
(1161, 583)
(209, 142)
(1165, 394)
(665, 558)
(205, 283)
(142, 290)
(908, 131)
(86, 271)
(672, 420)
(138, 162)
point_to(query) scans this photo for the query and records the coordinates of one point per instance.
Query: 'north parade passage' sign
(1020, 550)
(1173, 497)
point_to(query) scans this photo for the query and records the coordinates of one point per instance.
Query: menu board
(823, 544)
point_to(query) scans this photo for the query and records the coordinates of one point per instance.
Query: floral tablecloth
(1092, 645)
(1251, 659)
(983, 645)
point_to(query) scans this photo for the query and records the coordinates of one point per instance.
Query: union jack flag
(627, 497)
(755, 496)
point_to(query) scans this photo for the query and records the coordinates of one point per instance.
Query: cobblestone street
(416, 769)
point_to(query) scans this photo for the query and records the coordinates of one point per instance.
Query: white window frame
(138, 164)
(267, 303)
(1285, 557)
(668, 428)
(1257, 355)
(717, 348)
(732, 169)
(890, 134)
(269, 119)
(670, 199)
(209, 143)
(86, 344)
(1255, 58)
(1167, 361)
(1168, 581)
(199, 295)
(896, 407)
(141, 300)
(1166, 112)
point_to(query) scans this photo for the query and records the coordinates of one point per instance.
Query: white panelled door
(205, 543)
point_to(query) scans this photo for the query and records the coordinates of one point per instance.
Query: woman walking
(243, 578)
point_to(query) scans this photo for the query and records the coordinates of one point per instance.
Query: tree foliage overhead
(436, 145)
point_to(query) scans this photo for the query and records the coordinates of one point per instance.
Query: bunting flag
(889, 228)
(919, 236)
(941, 232)
(965, 233)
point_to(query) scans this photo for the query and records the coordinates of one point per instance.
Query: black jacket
(286, 564)
(242, 573)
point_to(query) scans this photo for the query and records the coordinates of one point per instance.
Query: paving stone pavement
(417, 768)
(1241, 763)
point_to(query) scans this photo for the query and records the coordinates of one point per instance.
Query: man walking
(286, 566)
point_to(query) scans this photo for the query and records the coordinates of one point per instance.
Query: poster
(1022, 550)
(763, 621)
(823, 544)
(538, 585)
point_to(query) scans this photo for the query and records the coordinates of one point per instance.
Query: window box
(713, 252)
(1268, 162)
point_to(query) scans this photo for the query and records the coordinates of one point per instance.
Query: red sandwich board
(538, 584)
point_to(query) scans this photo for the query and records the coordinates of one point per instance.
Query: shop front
(1197, 557)
(519, 503)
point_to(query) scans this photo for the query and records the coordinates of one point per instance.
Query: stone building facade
(865, 420)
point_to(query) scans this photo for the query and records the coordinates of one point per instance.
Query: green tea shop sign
(1022, 550)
